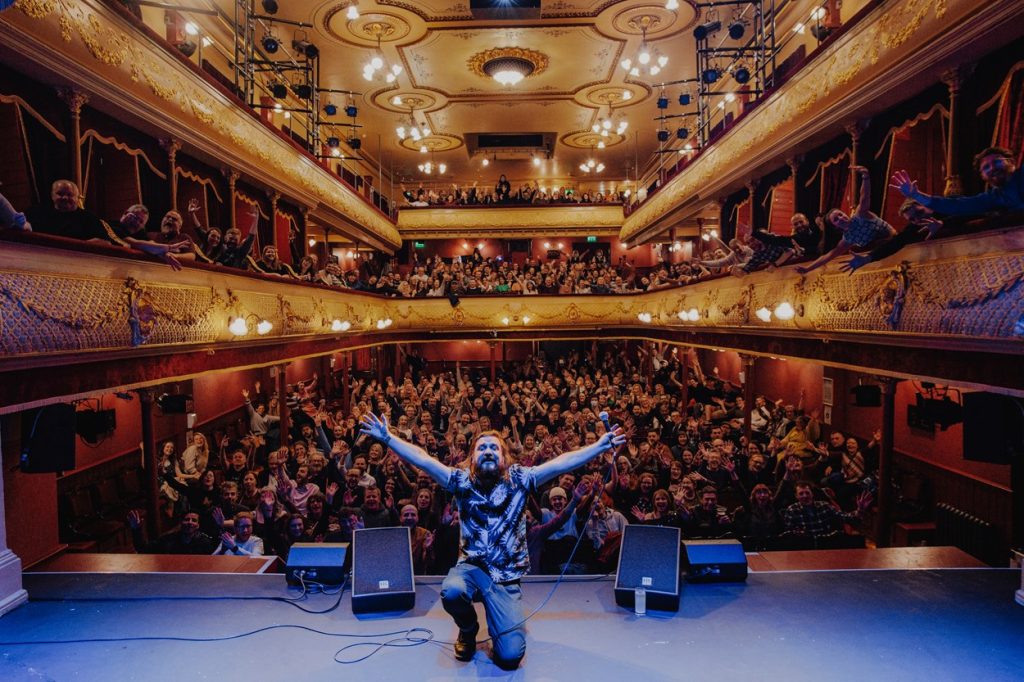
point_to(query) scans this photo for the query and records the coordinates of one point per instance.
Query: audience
(503, 194)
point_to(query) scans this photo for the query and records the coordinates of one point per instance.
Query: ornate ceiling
(575, 48)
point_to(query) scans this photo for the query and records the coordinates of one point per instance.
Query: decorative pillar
(492, 346)
(749, 369)
(684, 379)
(172, 147)
(151, 464)
(75, 99)
(751, 186)
(854, 130)
(954, 80)
(12, 594)
(794, 167)
(883, 524)
(232, 176)
(281, 386)
(274, 198)
(346, 363)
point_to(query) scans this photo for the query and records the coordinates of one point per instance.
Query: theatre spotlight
(351, 110)
(684, 99)
(736, 29)
(333, 142)
(331, 109)
(270, 43)
(682, 133)
(355, 143)
(305, 47)
(303, 90)
(704, 30)
(663, 102)
(279, 90)
(741, 75)
(710, 75)
(662, 136)
(269, 6)
(187, 47)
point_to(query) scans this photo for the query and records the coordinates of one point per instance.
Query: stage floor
(878, 625)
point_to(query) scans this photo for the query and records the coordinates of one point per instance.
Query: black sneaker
(465, 645)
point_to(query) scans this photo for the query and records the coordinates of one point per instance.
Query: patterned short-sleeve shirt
(493, 523)
(863, 231)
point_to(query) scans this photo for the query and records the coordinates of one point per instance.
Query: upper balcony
(509, 220)
(949, 310)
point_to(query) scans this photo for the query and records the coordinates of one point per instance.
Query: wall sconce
(645, 317)
(384, 323)
(764, 314)
(340, 325)
(691, 315)
(784, 311)
(239, 326)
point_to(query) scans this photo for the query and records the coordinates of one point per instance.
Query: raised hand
(134, 519)
(332, 489)
(218, 516)
(245, 393)
(930, 226)
(902, 182)
(375, 427)
(864, 501)
(855, 262)
(228, 539)
(193, 206)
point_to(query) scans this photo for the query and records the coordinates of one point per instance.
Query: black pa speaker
(867, 395)
(382, 570)
(715, 561)
(317, 562)
(993, 427)
(649, 559)
(48, 439)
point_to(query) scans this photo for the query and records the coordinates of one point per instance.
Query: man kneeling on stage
(491, 497)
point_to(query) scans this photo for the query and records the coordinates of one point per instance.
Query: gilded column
(172, 147)
(75, 99)
(232, 176)
(954, 80)
(274, 198)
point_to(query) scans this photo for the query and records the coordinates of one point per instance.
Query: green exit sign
(419, 245)
(591, 239)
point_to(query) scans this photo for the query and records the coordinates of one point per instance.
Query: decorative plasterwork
(538, 217)
(396, 27)
(435, 142)
(588, 139)
(84, 40)
(861, 63)
(507, 233)
(477, 61)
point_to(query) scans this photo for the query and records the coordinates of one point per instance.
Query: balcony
(950, 309)
(509, 221)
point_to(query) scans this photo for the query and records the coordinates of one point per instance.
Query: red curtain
(780, 209)
(1009, 130)
(834, 179)
(919, 147)
(282, 225)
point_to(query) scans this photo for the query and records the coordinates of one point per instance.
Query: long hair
(506, 455)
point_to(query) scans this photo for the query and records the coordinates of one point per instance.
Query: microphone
(603, 416)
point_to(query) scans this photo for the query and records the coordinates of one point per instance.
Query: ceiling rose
(508, 65)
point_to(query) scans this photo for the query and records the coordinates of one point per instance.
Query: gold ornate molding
(535, 57)
(878, 55)
(85, 41)
(424, 220)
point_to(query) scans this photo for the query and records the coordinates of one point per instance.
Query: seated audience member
(815, 518)
(295, 494)
(537, 533)
(663, 512)
(269, 520)
(242, 541)
(759, 522)
(65, 217)
(375, 513)
(186, 539)
(130, 231)
(1005, 193)
(860, 230)
(707, 520)
(270, 264)
(294, 531)
(235, 250)
(422, 541)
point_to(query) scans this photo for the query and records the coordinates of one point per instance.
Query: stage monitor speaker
(993, 427)
(317, 562)
(867, 395)
(92, 425)
(519, 245)
(649, 559)
(382, 579)
(715, 561)
(48, 439)
(174, 403)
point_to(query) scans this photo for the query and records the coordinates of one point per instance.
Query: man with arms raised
(491, 495)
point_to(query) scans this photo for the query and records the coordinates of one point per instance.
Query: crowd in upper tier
(503, 194)
(865, 237)
(687, 462)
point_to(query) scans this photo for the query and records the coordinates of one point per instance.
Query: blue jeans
(466, 584)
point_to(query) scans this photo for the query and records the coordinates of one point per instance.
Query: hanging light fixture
(411, 128)
(508, 70)
(352, 13)
(648, 61)
(376, 66)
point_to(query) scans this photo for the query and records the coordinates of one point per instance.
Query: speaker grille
(381, 561)
(649, 554)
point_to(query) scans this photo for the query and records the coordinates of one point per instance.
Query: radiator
(975, 536)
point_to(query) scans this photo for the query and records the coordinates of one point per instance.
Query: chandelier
(606, 126)
(375, 66)
(647, 59)
(592, 166)
(429, 167)
(508, 70)
(410, 128)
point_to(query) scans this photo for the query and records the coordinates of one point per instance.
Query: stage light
(352, 110)
(303, 90)
(355, 143)
(331, 109)
(682, 133)
(270, 43)
(704, 30)
(684, 99)
(279, 90)
(741, 75)
(187, 47)
(662, 136)
(307, 48)
(333, 142)
(663, 102)
(269, 6)
(710, 75)
(736, 29)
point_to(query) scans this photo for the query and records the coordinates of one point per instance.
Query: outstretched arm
(576, 458)
(376, 427)
(864, 204)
